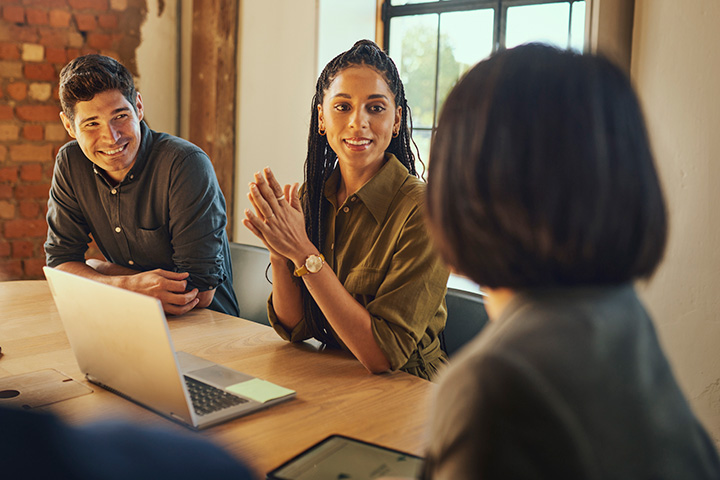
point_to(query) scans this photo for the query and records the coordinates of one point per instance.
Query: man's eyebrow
(113, 113)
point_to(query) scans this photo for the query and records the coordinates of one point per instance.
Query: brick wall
(37, 38)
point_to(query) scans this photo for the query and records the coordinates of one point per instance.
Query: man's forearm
(87, 270)
(109, 268)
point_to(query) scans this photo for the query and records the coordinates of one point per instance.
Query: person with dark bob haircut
(352, 261)
(542, 189)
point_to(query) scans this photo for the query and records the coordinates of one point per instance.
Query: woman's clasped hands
(278, 219)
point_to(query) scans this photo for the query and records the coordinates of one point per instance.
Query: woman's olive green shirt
(378, 246)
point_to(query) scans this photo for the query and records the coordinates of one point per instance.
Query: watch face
(313, 263)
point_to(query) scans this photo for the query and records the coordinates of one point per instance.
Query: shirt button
(130, 262)
(346, 209)
(353, 198)
(113, 191)
(118, 229)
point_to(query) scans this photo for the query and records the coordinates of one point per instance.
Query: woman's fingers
(274, 184)
(293, 197)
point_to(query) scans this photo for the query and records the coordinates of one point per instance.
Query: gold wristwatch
(313, 264)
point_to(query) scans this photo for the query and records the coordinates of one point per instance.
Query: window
(434, 42)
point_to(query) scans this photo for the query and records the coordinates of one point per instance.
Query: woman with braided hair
(351, 259)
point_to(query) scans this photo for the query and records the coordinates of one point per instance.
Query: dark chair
(466, 317)
(251, 287)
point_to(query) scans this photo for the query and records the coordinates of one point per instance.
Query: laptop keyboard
(208, 399)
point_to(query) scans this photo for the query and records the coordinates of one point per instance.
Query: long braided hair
(321, 159)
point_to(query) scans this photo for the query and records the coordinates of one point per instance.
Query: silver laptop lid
(121, 341)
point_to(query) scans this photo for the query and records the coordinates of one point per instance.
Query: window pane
(577, 26)
(413, 47)
(408, 2)
(546, 23)
(465, 39)
(422, 140)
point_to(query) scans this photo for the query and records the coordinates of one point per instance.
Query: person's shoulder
(171, 142)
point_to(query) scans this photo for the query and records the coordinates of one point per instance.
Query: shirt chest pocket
(363, 282)
(154, 243)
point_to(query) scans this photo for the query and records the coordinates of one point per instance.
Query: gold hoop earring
(396, 133)
(321, 131)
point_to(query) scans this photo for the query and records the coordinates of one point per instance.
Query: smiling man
(150, 200)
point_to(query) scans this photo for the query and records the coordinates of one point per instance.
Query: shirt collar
(379, 191)
(143, 153)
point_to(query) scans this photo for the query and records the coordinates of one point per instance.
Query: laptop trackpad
(220, 376)
(209, 372)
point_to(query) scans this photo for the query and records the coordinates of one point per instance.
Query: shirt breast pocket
(154, 245)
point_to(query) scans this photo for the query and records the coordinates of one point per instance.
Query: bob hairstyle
(86, 76)
(541, 174)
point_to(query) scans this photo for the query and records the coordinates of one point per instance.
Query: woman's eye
(377, 109)
(342, 107)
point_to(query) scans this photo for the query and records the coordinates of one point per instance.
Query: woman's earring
(396, 133)
(321, 131)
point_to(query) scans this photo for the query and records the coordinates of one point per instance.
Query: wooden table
(335, 394)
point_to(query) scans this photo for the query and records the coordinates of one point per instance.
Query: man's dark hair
(88, 75)
(541, 174)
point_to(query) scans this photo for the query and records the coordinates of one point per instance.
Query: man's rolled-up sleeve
(197, 222)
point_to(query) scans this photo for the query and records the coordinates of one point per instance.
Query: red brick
(33, 132)
(73, 53)
(20, 33)
(55, 55)
(9, 51)
(40, 71)
(4, 250)
(108, 21)
(35, 16)
(29, 209)
(54, 38)
(6, 191)
(33, 268)
(31, 172)
(22, 249)
(11, 270)
(60, 18)
(6, 112)
(37, 113)
(17, 90)
(32, 191)
(25, 228)
(7, 209)
(8, 132)
(14, 14)
(47, 3)
(8, 174)
(31, 153)
(100, 41)
(86, 22)
(3, 152)
(99, 5)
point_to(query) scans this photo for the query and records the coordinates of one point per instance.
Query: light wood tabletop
(335, 394)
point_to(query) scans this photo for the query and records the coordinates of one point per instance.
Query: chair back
(252, 289)
(466, 317)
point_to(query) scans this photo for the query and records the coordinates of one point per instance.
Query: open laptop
(122, 342)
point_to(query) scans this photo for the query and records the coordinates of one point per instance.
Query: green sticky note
(259, 390)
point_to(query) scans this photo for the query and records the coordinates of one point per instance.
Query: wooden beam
(213, 89)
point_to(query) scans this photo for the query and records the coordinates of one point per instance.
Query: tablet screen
(339, 457)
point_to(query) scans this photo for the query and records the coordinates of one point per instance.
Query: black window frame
(500, 7)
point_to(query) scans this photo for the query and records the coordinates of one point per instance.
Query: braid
(321, 160)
